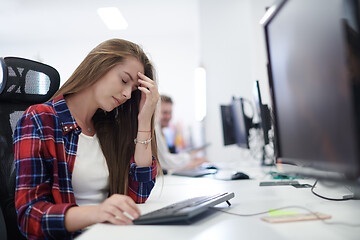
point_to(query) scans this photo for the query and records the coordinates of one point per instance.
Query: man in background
(168, 160)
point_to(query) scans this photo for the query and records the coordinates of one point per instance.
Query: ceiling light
(113, 18)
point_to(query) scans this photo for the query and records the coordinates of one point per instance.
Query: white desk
(249, 198)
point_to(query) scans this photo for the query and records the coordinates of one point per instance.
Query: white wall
(223, 36)
(233, 53)
(61, 33)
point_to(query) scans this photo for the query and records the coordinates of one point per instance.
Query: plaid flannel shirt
(45, 144)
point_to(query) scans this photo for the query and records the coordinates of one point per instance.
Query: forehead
(130, 67)
(132, 63)
(166, 106)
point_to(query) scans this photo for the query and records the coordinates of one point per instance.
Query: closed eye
(123, 81)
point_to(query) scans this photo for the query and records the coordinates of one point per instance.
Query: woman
(84, 157)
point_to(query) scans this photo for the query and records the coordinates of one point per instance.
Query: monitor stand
(354, 192)
(337, 191)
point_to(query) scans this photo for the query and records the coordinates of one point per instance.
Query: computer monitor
(314, 78)
(236, 124)
(242, 123)
(227, 125)
(262, 112)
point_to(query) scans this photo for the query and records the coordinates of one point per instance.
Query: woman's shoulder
(37, 116)
(47, 108)
(42, 109)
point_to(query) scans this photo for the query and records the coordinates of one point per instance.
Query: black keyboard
(184, 210)
(194, 172)
(278, 183)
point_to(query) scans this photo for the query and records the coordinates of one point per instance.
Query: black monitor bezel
(292, 165)
(262, 112)
(271, 12)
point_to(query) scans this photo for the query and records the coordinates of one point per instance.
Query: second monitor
(236, 125)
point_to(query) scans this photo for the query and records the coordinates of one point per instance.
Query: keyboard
(278, 183)
(183, 210)
(196, 172)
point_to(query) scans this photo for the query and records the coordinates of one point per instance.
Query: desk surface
(249, 198)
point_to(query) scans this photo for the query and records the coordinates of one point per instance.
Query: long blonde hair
(117, 129)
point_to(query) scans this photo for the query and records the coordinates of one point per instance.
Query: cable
(326, 198)
(280, 208)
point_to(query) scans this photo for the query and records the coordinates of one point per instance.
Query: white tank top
(90, 177)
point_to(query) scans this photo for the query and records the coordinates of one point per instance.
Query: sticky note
(280, 212)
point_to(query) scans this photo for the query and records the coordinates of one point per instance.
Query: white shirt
(168, 160)
(90, 177)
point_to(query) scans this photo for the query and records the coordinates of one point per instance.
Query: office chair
(23, 83)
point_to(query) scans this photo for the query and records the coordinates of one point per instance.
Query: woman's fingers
(119, 209)
(144, 77)
(149, 96)
(123, 211)
(126, 205)
(130, 210)
(149, 89)
(119, 219)
(133, 204)
(122, 220)
(144, 90)
(146, 83)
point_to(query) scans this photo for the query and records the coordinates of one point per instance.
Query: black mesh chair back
(23, 82)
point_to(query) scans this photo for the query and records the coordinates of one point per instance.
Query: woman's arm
(38, 215)
(143, 151)
(141, 181)
(149, 99)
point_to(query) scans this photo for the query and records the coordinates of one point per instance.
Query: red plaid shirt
(45, 144)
